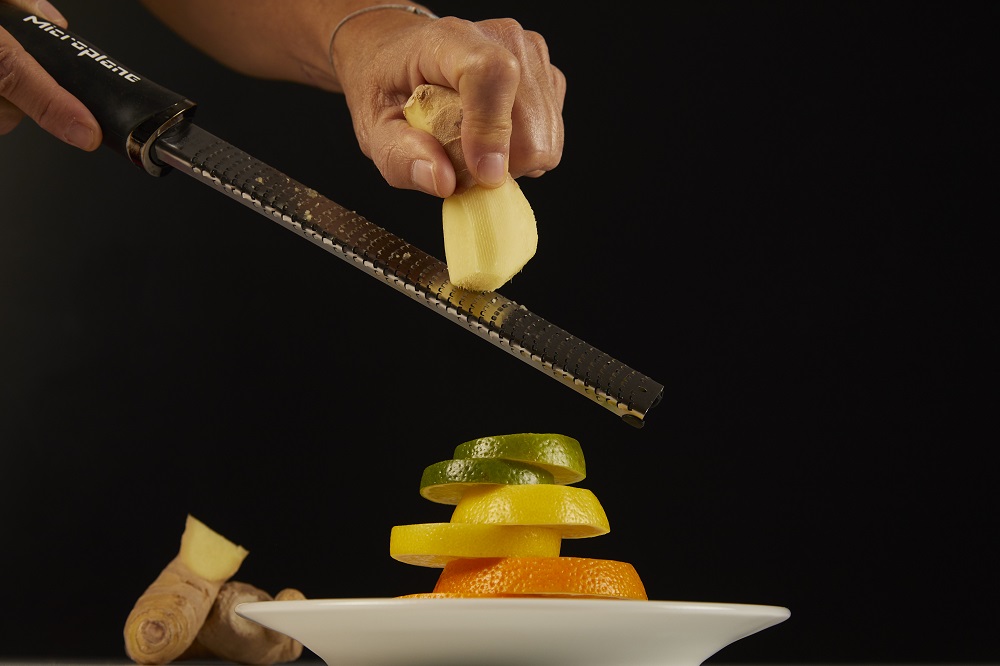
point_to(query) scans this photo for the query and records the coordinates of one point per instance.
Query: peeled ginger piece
(489, 234)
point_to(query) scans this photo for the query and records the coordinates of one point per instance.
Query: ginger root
(167, 617)
(226, 635)
(489, 234)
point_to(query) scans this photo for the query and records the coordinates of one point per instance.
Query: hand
(27, 89)
(512, 96)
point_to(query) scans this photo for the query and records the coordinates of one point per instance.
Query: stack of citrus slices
(514, 504)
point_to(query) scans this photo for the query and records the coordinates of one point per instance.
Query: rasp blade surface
(381, 254)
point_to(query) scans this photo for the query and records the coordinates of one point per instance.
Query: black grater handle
(131, 110)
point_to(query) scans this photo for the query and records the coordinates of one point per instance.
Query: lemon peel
(574, 512)
(437, 544)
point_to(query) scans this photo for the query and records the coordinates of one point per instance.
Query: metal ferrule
(139, 144)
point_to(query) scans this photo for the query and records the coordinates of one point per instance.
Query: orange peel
(547, 576)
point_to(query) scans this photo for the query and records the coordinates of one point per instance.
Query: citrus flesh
(437, 544)
(574, 512)
(564, 576)
(560, 454)
(445, 482)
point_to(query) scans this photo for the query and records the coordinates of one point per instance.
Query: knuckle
(10, 65)
(536, 43)
(386, 160)
(538, 150)
(493, 63)
(48, 115)
(505, 27)
(535, 161)
(491, 49)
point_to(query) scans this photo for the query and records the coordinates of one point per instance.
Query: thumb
(25, 85)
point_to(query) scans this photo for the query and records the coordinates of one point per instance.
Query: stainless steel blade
(366, 246)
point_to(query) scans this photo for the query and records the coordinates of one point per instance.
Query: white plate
(509, 631)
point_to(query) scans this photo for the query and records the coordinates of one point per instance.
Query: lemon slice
(437, 544)
(445, 482)
(574, 512)
(559, 454)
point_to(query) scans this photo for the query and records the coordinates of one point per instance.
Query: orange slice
(472, 595)
(436, 544)
(549, 576)
(442, 595)
(574, 512)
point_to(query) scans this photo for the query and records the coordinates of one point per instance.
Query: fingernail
(491, 169)
(45, 8)
(422, 173)
(79, 135)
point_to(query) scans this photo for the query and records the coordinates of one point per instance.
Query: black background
(776, 209)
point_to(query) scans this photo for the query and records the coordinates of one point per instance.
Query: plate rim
(291, 605)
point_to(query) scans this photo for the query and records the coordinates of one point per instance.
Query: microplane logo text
(84, 49)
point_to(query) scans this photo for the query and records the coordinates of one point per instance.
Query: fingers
(537, 144)
(512, 100)
(486, 75)
(408, 158)
(26, 89)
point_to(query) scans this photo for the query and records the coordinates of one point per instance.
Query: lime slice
(559, 454)
(573, 512)
(445, 482)
(436, 544)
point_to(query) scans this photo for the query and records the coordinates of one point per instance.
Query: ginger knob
(166, 619)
